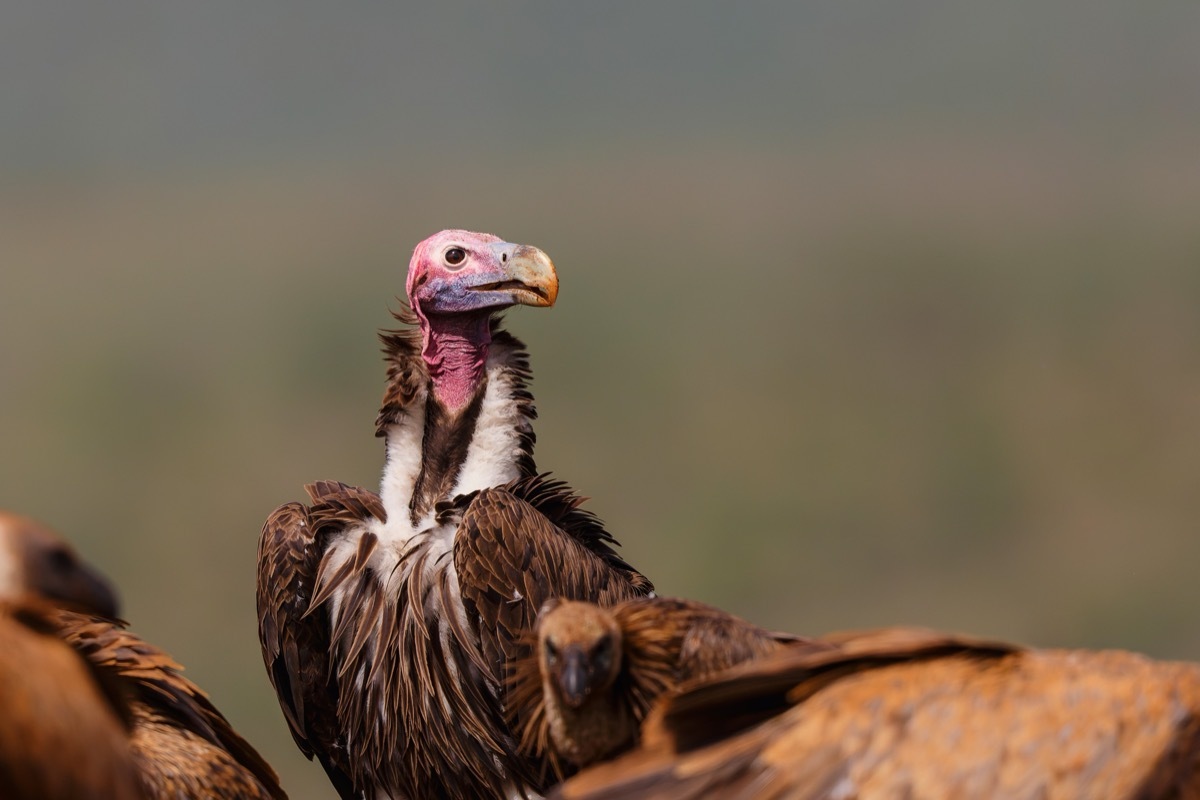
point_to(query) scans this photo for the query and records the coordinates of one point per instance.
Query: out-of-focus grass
(951, 384)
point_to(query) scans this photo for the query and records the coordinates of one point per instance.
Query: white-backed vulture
(586, 685)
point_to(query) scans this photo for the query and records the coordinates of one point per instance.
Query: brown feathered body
(183, 746)
(387, 620)
(587, 684)
(911, 713)
(64, 728)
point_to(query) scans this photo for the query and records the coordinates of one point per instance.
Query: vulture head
(579, 650)
(36, 562)
(464, 273)
(457, 280)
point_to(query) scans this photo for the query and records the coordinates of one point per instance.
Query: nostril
(503, 257)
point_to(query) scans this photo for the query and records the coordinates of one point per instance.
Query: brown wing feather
(520, 545)
(184, 746)
(517, 547)
(949, 718)
(295, 646)
(65, 729)
(703, 639)
(755, 691)
(562, 507)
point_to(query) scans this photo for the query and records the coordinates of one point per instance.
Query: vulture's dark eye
(455, 256)
(602, 654)
(551, 652)
(603, 645)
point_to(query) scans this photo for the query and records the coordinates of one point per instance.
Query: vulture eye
(602, 653)
(551, 652)
(455, 256)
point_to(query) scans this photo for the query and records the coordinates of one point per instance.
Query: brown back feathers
(912, 713)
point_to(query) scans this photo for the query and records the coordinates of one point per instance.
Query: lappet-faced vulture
(917, 714)
(388, 620)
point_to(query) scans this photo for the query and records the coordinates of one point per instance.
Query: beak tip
(531, 266)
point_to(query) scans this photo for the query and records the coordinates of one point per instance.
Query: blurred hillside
(870, 313)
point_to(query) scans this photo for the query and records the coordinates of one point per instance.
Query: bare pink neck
(455, 351)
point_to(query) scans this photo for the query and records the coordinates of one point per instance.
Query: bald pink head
(460, 272)
(456, 280)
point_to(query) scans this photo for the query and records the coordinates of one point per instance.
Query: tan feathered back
(914, 713)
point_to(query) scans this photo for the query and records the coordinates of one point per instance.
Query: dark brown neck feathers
(447, 438)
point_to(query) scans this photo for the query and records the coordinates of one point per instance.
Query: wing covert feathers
(184, 747)
(295, 645)
(520, 545)
(938, 716)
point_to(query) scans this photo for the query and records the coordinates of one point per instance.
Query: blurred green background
(871, 312)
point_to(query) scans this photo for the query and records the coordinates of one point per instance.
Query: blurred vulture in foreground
(582, 692)
(906, 713)
(90, 710)
(388, 620)
(183, 747)
(64, 728)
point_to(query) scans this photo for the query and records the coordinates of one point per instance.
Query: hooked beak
(84, 589)
(573, 677)
(525, 274)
